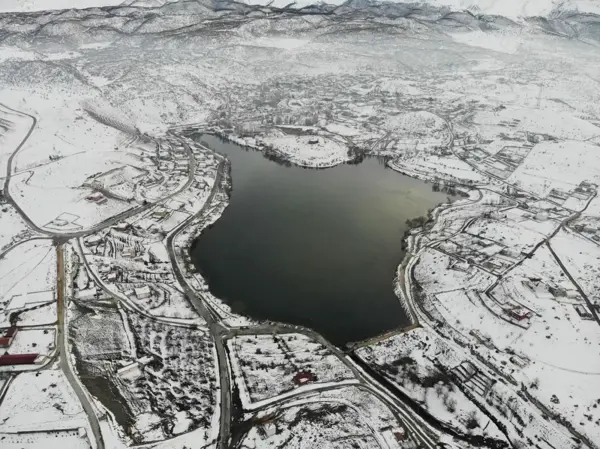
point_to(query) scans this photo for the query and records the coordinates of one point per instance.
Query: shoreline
(397, 286)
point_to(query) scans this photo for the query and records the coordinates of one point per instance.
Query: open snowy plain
(111, 340)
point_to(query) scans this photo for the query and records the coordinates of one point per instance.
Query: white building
(130, 372)
(86, 294)
(143, 292)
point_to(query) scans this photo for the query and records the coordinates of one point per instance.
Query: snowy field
(27, 283)
(42, 402)
(264, 366)
(301, 150)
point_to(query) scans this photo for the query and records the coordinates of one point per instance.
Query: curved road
(211, 318)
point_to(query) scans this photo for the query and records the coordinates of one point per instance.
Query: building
(393, 436)
(160, 213)
(483, 339)
(87, 294)
(400, 434)
(122, 226)
(128, 252)
(143, 292)
(304, 377)
(18, 359)
(520, 361)
(8, 336)
(583, 312)
(519, 313)
(130, 372)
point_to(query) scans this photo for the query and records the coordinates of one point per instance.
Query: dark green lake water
(317, 248)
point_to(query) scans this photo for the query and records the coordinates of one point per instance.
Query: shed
(304, 377)
(142, 292)
(88, 293)
(18, 359)
(8, 336)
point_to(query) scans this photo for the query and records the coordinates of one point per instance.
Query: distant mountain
(512, 9)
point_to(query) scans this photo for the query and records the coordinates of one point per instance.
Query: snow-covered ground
(27, 284)
(507, 338)
(309, 151)
(39, 408)
(346, 414)
(266, 366)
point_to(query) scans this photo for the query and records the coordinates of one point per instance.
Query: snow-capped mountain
(508, 8)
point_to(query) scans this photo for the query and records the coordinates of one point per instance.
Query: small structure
(541, 216)
(313, 140)
(121, 226)
(160, 213)
(145, 360)
(128, 252)
(518, 360)
(583, 312)
(400, 434)
(394, 435)
(87, 294)
(97, 198)
(142, 292)
(459, 265)
(130, 372)
(18, 359)
(519, 313)
(304, 377)
(483, 339)
(8, 336)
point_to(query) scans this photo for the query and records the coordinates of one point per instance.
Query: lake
(318, 248)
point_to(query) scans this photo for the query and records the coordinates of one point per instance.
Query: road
(63, 350)
(9, 165)
(211, 318)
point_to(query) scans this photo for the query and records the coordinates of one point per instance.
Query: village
(501, 285)
(110, 337)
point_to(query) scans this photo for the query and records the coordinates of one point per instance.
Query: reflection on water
(317, 248)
